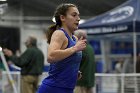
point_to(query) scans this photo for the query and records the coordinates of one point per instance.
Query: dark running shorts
(50, 89)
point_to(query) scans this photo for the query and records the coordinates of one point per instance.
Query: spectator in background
(128, 68)
(119, 70)
(87, 67)
(138, 63)
(138, 71)
(31, 63)
(119, 65)
(2, 68)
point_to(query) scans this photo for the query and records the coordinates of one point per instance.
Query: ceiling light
(3, 0)
(81, 21)
(0, 49)
(53, 19)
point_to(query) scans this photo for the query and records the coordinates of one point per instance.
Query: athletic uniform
(63, 74)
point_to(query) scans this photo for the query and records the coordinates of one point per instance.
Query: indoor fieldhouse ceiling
(87, 8)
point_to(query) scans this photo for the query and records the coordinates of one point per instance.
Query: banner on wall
(124, 18)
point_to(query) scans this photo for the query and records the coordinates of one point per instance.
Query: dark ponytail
(50, 31)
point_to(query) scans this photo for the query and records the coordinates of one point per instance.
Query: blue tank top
(64, 73)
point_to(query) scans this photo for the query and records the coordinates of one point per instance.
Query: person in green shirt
(2, 68)
(87, 67)
(31, 63)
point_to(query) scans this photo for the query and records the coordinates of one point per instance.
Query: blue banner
(121, 19)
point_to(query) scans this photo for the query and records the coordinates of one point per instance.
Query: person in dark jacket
(87, 67)
(31, 63)
(138, 71)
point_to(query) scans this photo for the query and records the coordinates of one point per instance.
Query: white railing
(118, 83)
(6, 83)
(105, 83)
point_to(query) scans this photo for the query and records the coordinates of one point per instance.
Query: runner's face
(71, 20)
